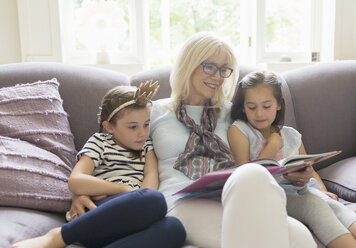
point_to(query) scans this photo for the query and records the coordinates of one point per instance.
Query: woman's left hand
(300, 178)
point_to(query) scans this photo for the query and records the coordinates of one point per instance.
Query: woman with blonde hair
(189, 133)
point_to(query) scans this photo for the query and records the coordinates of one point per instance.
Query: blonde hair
(197, 49)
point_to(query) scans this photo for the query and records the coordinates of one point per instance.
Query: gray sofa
(320, 99)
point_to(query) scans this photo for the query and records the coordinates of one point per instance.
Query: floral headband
(143, 95)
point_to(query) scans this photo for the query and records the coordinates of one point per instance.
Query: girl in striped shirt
(118, 170)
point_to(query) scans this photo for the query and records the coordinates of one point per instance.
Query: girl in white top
(188, 130)
(258, 132)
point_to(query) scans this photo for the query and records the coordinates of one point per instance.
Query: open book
(217, 179)
(294, 162)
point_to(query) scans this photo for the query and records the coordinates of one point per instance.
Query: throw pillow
(31, 177)
(340, 178)
(34, 113)
(44, 149)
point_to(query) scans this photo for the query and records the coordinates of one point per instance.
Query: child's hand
(273, 146)
(79, 203)
(276, 140)
(332, 195)
(98, 197)
(300, 178)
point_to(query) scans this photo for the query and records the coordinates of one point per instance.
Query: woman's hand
(300, 178)
(79, 203)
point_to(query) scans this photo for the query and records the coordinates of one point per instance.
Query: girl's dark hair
(112, 100)
(251, 80)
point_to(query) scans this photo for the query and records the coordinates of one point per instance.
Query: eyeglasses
(211, 69)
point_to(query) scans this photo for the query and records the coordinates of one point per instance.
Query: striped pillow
(31, 177)
(33, 113)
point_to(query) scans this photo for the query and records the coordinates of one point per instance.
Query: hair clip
(280, 80)
(144, 93)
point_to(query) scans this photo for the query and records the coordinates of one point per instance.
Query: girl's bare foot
(52, 239)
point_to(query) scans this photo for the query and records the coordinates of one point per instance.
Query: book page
(266, 162)
(296, 160)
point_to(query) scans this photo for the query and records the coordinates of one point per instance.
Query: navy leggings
(134, 219)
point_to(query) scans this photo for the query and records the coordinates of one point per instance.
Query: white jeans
(252, 215)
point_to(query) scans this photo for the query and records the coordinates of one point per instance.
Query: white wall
(39, 30)
(10, 50)
(345, 30)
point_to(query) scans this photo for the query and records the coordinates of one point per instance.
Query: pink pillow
(33, 115)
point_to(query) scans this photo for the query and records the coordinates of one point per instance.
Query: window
(150, 32)
(103, 31)
(284, 30)
(115, 31)
(287, 30)
(95, 25)
(173, 22)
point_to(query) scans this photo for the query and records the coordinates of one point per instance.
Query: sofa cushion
(19, 224)
(37, 147)
(340, 178)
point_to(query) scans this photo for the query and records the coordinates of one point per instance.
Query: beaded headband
(143, 95)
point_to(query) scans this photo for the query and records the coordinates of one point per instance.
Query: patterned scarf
(203, 144)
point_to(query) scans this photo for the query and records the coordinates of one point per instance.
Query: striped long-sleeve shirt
(114, 163)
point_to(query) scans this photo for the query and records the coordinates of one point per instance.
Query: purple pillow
(34, 113)
(31, 177)
(340, 178)
(36, 163)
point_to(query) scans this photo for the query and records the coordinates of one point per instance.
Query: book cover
(217, 179)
